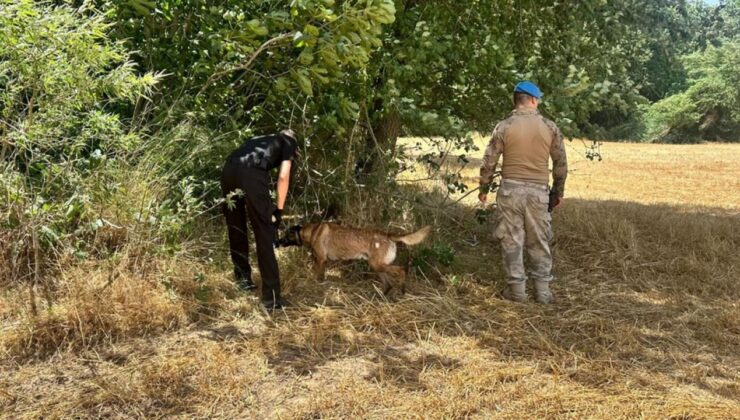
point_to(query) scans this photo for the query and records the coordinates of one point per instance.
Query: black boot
(272, 304)
(244, 280)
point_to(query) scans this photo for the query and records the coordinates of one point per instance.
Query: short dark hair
(289, 133)
(522, 98)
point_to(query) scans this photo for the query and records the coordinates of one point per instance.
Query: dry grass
(647, 322)
(689, 176)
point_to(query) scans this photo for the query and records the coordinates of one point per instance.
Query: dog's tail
(413, 238)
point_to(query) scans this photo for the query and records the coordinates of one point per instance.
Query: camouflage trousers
(524, 227)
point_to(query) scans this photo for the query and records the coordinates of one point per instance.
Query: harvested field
(646, 323)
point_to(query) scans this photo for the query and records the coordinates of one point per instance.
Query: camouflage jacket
(526, 139)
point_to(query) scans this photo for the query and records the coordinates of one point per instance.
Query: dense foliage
(669, 30)
(442, 70)
(63, 145)
(702, 105)
(709, 108)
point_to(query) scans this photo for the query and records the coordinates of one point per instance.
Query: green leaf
(306, 57)
(282, 84)
(257, 27)
(303, 82)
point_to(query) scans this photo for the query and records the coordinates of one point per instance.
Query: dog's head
(292, 237)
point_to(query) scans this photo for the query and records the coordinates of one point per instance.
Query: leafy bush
(438, 254)
(64, 150)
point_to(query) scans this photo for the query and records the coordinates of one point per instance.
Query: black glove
(554, 200)
(277, 216)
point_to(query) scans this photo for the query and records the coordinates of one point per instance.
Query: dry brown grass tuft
(90, 311)
(647, 321)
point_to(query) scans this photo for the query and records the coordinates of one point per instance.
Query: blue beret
(529, 88)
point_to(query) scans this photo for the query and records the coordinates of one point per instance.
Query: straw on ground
(647, 322)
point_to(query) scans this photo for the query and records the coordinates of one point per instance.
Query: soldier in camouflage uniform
(527, 140)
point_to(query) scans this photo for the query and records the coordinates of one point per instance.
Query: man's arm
(490, 159)
(283, 183)
(559, 161)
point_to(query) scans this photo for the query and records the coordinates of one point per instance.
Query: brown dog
(333, 242)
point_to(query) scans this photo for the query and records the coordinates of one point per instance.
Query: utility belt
(528, 184)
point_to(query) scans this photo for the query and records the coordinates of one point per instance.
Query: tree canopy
(441, 68)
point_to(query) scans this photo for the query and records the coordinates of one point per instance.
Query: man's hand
(554, 201)
(483, 197)
(558, 202)
(277, 218)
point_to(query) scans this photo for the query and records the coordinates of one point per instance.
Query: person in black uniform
(247, 169)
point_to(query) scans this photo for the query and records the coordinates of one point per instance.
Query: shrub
(64, 149)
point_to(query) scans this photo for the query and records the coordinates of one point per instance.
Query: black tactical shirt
(265, 152)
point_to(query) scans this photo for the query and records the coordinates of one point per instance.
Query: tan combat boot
(516, 292)
(542, 293)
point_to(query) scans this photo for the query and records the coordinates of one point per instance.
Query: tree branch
(246, 64)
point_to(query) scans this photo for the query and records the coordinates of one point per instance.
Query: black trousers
(256, 205)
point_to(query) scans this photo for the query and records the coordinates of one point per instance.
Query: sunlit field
(688, 176)
(703, 176)
(646, 322)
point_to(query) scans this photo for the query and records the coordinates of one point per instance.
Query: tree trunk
(388, 129)
(383, 128)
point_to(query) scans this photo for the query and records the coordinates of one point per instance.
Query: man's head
(527, 95)
(289, 133)
(290, 136)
